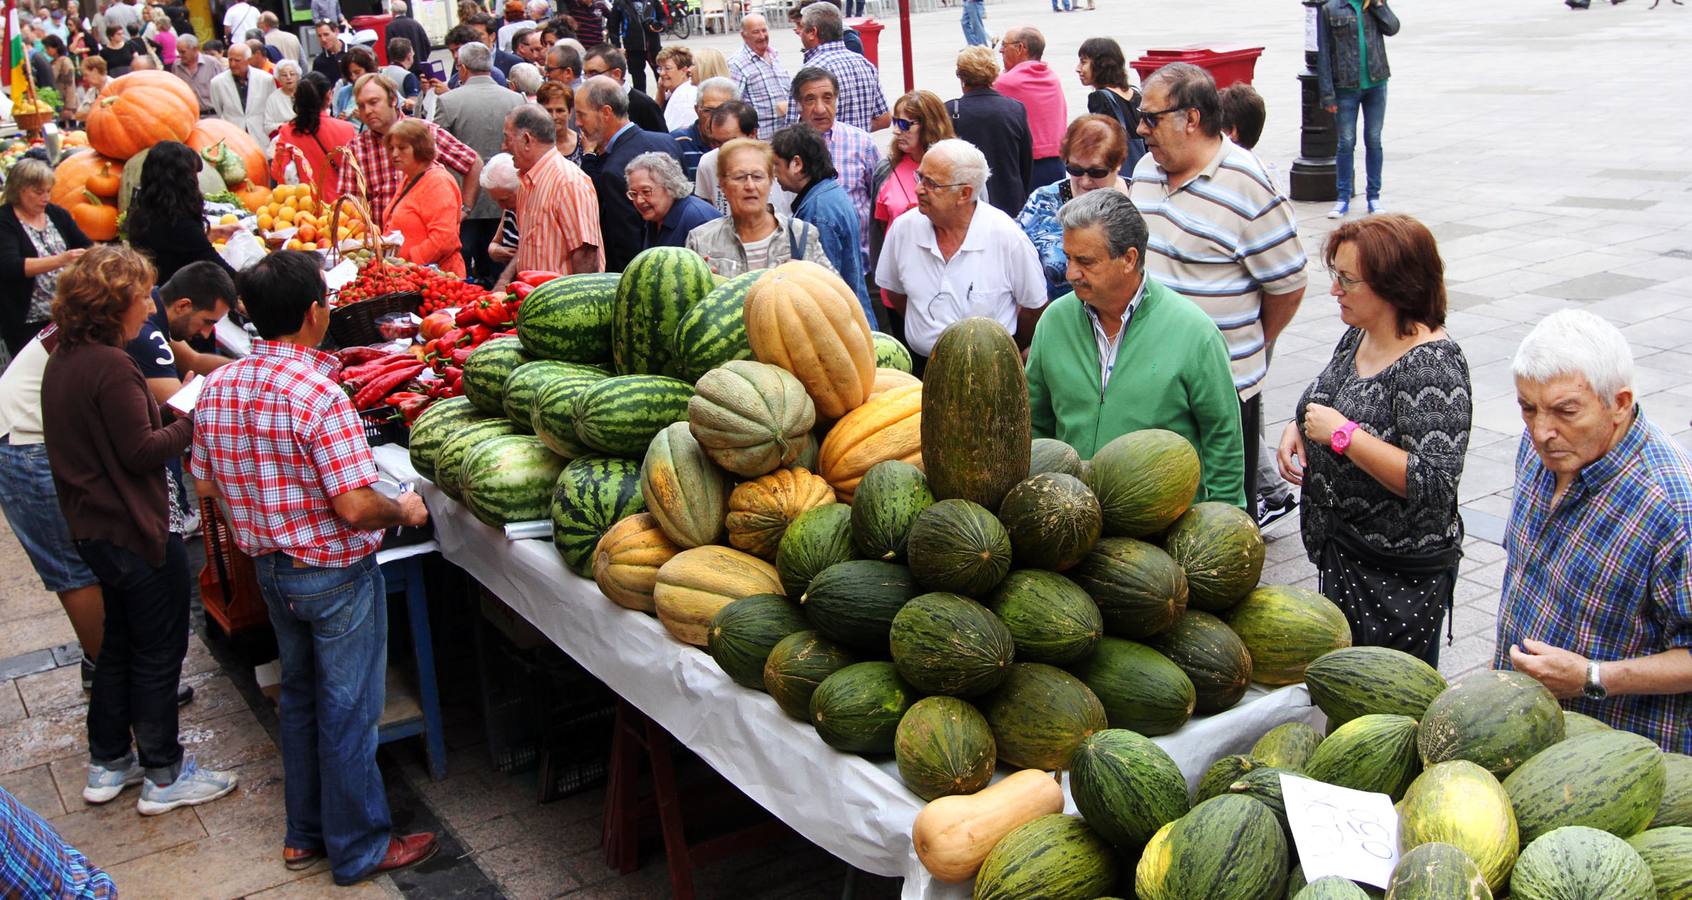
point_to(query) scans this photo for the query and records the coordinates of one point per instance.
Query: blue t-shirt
(151, 350)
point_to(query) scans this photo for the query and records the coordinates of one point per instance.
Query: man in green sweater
(1124, 352)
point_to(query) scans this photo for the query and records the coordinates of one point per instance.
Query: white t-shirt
(992, 274)
(20, 395)
(240, 19)
(679, 111)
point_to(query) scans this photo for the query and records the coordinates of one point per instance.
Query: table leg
(423, 646)
(676, 848)
(620, 834)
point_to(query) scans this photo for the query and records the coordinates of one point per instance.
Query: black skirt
(1391, 600)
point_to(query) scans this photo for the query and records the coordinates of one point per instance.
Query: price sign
(1339, 831)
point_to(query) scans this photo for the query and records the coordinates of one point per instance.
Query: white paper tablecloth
(856, 809)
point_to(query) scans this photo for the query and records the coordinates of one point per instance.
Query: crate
(228, 584)
(383, 425)
(354, 325)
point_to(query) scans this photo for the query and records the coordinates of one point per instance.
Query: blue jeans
(1373, 104)
(974, 22)
(31, 505)
(1068, 5)
(332, 634)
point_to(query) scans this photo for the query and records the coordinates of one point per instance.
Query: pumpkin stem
(91, 198)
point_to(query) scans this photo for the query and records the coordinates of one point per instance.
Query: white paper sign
(1339, 831)
(184, 399)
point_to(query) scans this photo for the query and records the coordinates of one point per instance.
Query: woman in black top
(1102, 67)
(119, 51)
(167, 217)
(37, 240)
(1378, 439)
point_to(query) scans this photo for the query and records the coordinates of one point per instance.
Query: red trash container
(378, 24)
(870, 30)
(1228, 64)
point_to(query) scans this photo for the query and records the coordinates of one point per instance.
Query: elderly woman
(526, 79)
(664, 198)
(1378, 438)
(107, 446)
(501, 181)
(279, 107)
(1092, 151)
(93, 81)
(677, 92)
(37, 240)
(1101, 66)
(919, 121)
(753, 236)
(559, 101)
(428, 207)
(358, 63)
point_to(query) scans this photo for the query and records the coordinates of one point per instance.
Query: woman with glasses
(1101, 66)
(560, 102)
(919, 122)
(663, 196)
(752, 236)
(677, 92)
(1378, 439)
(1092, 152)
(38, 239)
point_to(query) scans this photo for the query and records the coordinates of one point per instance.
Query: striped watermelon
(569, 319)
(654, 291)
(510, 479)
(619, 415)
(552, 415)
(524, 384)
(449, 464)
(713, 330)
(890, 354)
(486, 370)
(591, 495)
(439, 422)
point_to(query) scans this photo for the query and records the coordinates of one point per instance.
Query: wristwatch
(1340, 440)
(1594, 689)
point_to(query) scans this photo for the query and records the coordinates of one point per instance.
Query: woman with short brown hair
(429, 207)
(560, 102)
(753, 235)
(1092, 151)
(1378, 439)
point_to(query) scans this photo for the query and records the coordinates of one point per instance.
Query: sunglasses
(1151, 117)
(1095, 174)
(903, 124)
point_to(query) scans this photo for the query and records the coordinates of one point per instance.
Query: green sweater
(1171, 372)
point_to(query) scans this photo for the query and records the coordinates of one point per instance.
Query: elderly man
(610, 62)
(997, 126)
(1174, 361)
(1597, 596)
(1240, 261)
(1027, 78)
(331, 54)
(804, 168)
(378, 104)
(557, 210)
(602, 111)
(961, 257)
(856, 83)
(1093, 151)
(529, 45)
(564, 64)
(763, 79)
(274, 36)
(474, 112)
(457, 38)
(816, 97)
(663, 197)
(713, 93)
(197, 69)
(241, 94)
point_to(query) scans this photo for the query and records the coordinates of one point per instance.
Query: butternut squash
(695, 583)
(761, 509)
(887, 427)
(803, 318)
(953, 835)
(626, 561)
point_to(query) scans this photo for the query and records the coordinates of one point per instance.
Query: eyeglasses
(929, 184)
(642, 194)
(903, 124)
(594, 73)
(1346, 282)
(749, 178)
(1151, 117)
(1095, 174)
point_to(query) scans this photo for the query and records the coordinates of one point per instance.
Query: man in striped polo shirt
(1220, 232)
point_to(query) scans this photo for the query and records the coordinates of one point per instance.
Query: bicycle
(680, 26)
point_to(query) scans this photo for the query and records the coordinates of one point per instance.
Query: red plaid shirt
(279, 438)
(385, 179)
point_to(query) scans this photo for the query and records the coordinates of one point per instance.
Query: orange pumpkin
(72, 177)
(253, 196)
(140, 109)
(803, 318)
(889, 426)
(208, 132)
(97, 219)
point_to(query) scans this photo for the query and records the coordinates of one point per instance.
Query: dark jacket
(826, 205)
(15, 287)
(692, 145)
(1103, 102)
(998, 126)
(503, 60)
(685, 214)
(645, 112)
(1338, 67)
(412, 30)
(172, 245)
(619, 224)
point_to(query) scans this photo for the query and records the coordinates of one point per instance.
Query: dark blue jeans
(1372, 103)
(332, 634)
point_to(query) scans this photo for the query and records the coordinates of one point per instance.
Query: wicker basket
(354, 325)
(33, 121)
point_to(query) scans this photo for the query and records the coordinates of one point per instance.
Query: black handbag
(1391, 600)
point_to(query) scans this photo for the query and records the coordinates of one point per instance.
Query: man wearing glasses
(1028, 79)
(610, 62)
(713, 93)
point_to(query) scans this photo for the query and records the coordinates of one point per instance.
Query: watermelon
(1140, 688)
(975, 427)
(1610, 780)
(569, 318)
(943, 746)
(620, 415)
(1286, 629)
(1229, 847)
(1126, 786)
(593, 493)
(1330, 887)
(1054, 857)
(796, 665)
(887, 501)
(1668, 853)
(657, 287)
(958, 546)
(1579, 723)
(1053, 521)
(857, 709)
(1212, 655)
(1369, 753)
(487, 368)
(1040, 714)
(890, 354)
(449, 463)
(1579, 863)
(1355, 681)
(946, 644)
(854, 602)
(1287, 746)
(1144, 481)
(524, 385)
(819, 538)
(553, 413)
(1138, 588)
(1461, 804)
(510, 479)
(1676, 808)
(1496, 719)
(1053, 455)
(713, 330)
(1049, 617)
(743, 633)
(1222, 775)
(1437, 871)
(1221, 550)
(431, 430)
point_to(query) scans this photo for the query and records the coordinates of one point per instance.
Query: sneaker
(1376, 206)
(1270, 511)
(190, 526)
(184, 694)
(192, 787)
(105, 784)
(1340, 209)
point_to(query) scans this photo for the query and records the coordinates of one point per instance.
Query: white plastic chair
(714, 10)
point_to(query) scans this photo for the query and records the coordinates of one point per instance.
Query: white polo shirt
(992, 274)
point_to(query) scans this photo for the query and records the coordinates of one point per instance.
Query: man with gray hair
(564, 63)
(198, 70)
(763, 79)
(663, 197)
(474, 112)
(602, 111)
(1174, 361)
(276, 36)
(1597, 596)
(961, 257)
(557, 213)
(862, 103)
(713, 93)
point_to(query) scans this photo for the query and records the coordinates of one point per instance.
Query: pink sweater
(1036, 85)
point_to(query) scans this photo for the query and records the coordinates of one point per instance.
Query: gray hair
(525, 78)
(397, 7)
(286, 65)
(564, 56)
(1124, 227)
(1576, 342)
(539, 6)
(966, 162)
(575, 45)
(500, 174)
(534, 119)
(665, 170)
(476, 58)
(601, 92)
(28, 173)
(747, 20)
(825, 17)
(724, 85)
(187, 41)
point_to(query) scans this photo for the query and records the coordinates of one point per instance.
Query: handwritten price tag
(1339, 831)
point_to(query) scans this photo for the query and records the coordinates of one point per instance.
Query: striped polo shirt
(1223, 239)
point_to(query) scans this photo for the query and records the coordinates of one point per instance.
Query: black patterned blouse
(1421, 404)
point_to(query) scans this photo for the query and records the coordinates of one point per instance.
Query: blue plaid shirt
(855, 158)
(764, 83)
(36, 862)
(1608, 572)
(861, 99)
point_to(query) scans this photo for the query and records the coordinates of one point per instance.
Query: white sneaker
(192, 787)
(1340, 209)
(105, 784)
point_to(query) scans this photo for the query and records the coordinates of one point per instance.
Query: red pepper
(460, 356)
(493, 311)
(468, 315)
(383, 384)
(409, 403)
(521, 290)
(365, 372)
(479, 335)
(353, 356)
(537, 277)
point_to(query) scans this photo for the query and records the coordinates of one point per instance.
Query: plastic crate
(228, 584)
(383, 425)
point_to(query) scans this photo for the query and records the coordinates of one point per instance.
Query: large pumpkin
(88, 171)
(803, 318)
(887, 427)
(136, 111)
(207, 132)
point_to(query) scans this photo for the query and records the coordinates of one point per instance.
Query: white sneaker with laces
(1376, 206)
(192, 787)
(105, 784)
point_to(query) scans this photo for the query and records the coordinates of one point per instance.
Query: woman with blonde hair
(678, 93)
(709, 62)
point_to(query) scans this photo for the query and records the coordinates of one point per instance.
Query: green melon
(1609, 780)
(431, 430)
(1437, 872)
(958, 546)
(1040, 714)
(713, 330)
(1053, 521)
(857, 709)
(1222, 774)
(887, 502)
(743, 633)
(1221, 550)
(1144, 481)
(819, 538)
(486, 370)
(620, 415)
(1579, 863)
(593, 493)
(1140, 688)
(944, 746)
(1212, 655)
(1676, 808)
(1497, 719)
(1331, 887)
(509, 479)
(524, 384)
(569, 318)
(796, 665)
(1461, 804)
(1287, 746)
(854, 602)
(1286, 629)
(975, 426)
(1668, 853)
(1579, 723)
(890, 354)
(1050, 618)
(1356, 681)
(1369, 753)
(1126, 786)
(1055, 857)
(1263, 784)
(1228, 848)
(449, 463)
(946, 644)
(552, 416)
(1138, 588)
(1053, 455)
(656, 289)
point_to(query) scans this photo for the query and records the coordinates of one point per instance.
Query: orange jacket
(428, 217)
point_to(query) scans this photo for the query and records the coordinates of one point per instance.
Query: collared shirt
(685, 214)
(855, 158)
(1109, 346)
(1224, 239)
(764, 83)
(281, 440)
(200, 79)
(39, 863)
(384, 178)
(1607, 572)
(861, 99)
(557, 212)
(993, 273)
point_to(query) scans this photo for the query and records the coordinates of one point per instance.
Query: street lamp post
(1313, 172)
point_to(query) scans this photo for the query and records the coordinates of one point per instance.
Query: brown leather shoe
(296, 859)
(405, 850)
